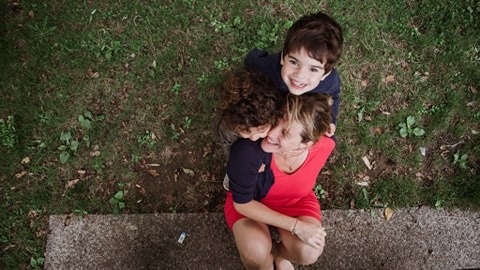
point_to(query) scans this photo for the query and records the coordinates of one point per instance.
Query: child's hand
(331, 131)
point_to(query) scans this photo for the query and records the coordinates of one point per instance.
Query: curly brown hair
(249, 99)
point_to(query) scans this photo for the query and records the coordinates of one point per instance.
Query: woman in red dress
(271, 186)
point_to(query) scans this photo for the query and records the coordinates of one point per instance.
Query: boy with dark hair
(306, 64)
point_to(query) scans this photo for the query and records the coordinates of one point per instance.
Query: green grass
(145, 67)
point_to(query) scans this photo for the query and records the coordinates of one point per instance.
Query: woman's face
(279, 141)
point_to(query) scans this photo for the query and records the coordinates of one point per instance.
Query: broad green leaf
(65, 136)
(121, 205)
(88, 115)
(64, 156)
(237, 21)
(418, 132)
(74, 145)
(119, 195)
(410, 121)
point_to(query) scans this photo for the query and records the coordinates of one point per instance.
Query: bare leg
(295, 250)
(281, 263)
(254, 244)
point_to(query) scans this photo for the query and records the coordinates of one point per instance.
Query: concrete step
(414, 238)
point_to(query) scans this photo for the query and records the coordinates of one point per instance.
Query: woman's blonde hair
(312, 111)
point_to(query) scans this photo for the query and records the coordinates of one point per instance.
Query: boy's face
(300, 72)
(255, 133)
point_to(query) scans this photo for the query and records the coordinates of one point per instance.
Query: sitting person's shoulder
(245, 146)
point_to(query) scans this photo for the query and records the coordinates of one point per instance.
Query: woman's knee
(253, 242)
(255, 255)
(308, 254)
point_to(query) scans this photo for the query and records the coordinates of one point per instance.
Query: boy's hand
(331, 131)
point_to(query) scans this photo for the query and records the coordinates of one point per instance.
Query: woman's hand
(310, 233)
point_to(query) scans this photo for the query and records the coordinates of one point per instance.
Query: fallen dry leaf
(362, 183)
(71, 183)
(153, 172)
(67, 220)
(388, 213)
(93, 74)
(25, 160)
(188, 172)
(389, 79)
(367, 162)
(140, 189)
(20, 174)
(95, 154)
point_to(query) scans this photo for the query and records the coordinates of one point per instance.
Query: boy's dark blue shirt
(269, 65)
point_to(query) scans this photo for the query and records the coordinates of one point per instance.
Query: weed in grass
(118, 201)
(8, 134)
(269, 35)
(37, 263)
(80, 213)
(68, 146)
(319, 192)
(187, 122)
(221, 64)
(409, 128)
(148, 138)
(87, 118)
(176, 88)
(460, 160)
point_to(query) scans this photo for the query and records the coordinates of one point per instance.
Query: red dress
(292, 194)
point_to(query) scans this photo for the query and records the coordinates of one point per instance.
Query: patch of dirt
(179, 182)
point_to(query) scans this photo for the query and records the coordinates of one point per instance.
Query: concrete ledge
(421, 238)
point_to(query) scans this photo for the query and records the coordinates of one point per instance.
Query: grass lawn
(109, 106)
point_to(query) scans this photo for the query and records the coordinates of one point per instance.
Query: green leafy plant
(221, 64)
(148, 138)
(7, 132)
(80, 213)
(438, 204)
(409, 129)
(117, 201)
(87, 118)
(460, 160)
(37, 263)
(319, 192)
(187, 122)
(176, 88)
(270, 34)
(365, 201)
(114, 48)
(68, 146)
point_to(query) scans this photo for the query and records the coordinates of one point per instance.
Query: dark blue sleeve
(245, 159)
(269, 65)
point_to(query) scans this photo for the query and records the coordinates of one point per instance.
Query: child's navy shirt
(245, 159)
(270, 66)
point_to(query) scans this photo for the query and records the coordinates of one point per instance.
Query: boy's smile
(300, 72)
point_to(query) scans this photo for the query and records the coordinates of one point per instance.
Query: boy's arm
(267, 64)
(255, 59)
